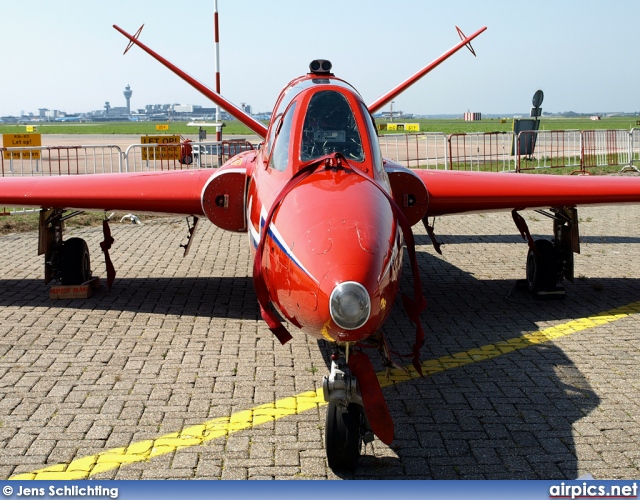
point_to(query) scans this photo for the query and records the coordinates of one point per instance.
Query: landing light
(350, 305)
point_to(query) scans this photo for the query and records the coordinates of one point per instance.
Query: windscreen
(330, 127)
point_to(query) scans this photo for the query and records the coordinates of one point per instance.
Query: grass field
(506, 125)
(133, 128)
(236, 128)
(22, 222)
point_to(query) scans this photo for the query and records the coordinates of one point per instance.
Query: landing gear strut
(347, 427)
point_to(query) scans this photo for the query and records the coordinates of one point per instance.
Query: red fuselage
(334, 226)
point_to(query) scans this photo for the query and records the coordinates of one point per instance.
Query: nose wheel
(347, 427)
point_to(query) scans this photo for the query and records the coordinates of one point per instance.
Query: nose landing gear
(347, 427)
(344, 435)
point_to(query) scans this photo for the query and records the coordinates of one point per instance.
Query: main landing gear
(65, 261)
(68, 261)
(75, 264)
(548, 262)
(347, 427)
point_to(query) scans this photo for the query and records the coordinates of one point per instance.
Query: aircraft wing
(178, 192)
(452, 192)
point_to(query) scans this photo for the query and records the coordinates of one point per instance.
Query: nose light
(320, 66)
(349, 305)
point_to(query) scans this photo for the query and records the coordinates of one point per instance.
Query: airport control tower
(127, 95)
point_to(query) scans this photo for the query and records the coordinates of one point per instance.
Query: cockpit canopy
(316, 116)
(330, 127)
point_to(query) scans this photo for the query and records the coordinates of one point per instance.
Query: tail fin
(228, 106)
(392, 94)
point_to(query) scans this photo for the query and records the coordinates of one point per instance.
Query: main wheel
(542, 267)
(75, 265)
(343, 436)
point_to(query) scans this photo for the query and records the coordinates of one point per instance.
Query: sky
(65, 55)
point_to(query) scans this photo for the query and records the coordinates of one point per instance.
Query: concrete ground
(168, 374)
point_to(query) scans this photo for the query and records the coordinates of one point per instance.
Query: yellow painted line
(490, 351)
(197, 435)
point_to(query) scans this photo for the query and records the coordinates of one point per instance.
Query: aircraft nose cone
(353, 300)
(359, 266)
(340, 257)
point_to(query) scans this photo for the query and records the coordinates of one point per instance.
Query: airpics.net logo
(591, 490)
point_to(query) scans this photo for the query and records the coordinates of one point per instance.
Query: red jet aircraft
(327, 218)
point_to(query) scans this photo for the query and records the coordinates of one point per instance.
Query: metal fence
(494, 151)
(80, 160)
(548, 149)
(504, 151)
(426, 149)
(635, 146)
(601, 148)
(181, 156)
(154, 157)
(76, 160)
(60, 160)
(489, 152)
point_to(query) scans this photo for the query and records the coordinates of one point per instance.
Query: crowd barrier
(77, 160)
(425, 149)
(579, 151)
(489, 152)
(185, 155)
(99, 159)
(606, 148)
(548, 149)
(60, 160)
(635, 146)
